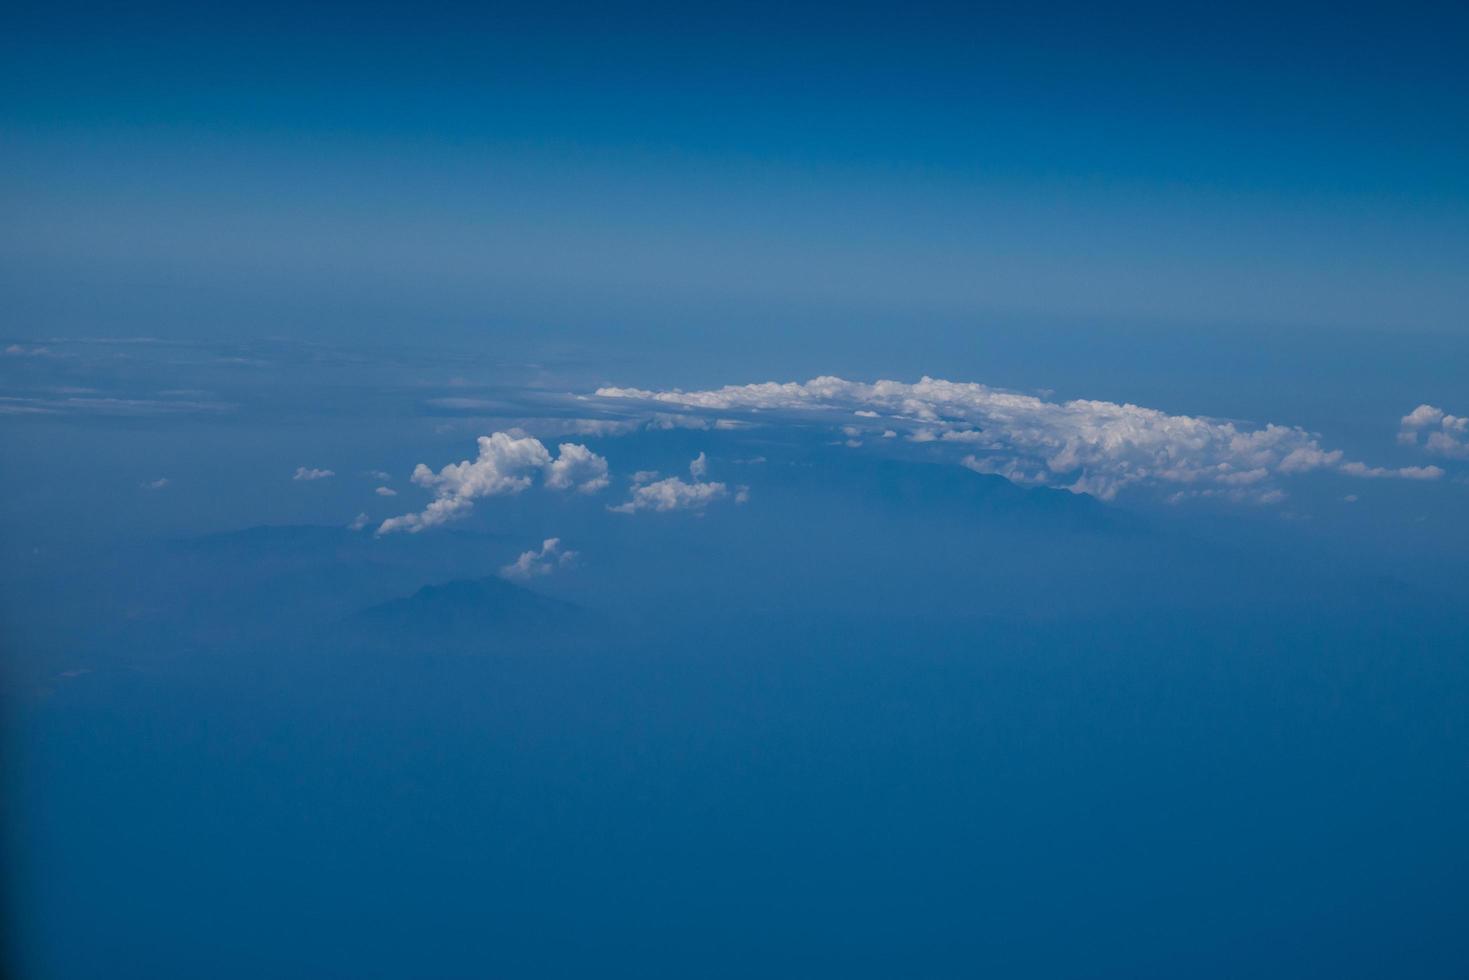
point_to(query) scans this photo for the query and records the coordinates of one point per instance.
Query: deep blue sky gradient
(340, 169)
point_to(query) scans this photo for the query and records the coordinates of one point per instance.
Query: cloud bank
(505, 465)
(1093, 447)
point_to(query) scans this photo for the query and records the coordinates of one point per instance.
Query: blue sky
(347, 171)
(776, 490)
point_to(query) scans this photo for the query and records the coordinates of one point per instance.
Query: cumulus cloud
(533, 564)
(699, 468)
(359, 522)
(576, 467)
(671, 494)
(505, 465)
(310, 473)
(1094, 447)
(1443, 434)
(386, 492)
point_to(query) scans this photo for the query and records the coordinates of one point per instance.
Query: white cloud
(1094, 447)
(577, 466)
(1401, 473)
(601, 427)
(359, 522)
(532, 564)
(310, 473)
(381, 476)
(504, 466)
(667, 420)
(157, 484)
(671, 494)
(699, 468)
(386, 492)
(1446, 435)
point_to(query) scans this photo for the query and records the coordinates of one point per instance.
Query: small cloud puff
(386, 492)
(157, 484)
(671, 494)
(532, 564)
(309, 473)
(504, 466)
(651, 493)
(1445, 434)
(359, 522)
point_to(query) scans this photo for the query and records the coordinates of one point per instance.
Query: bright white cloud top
(1093, 447)
(505, 465)
(1443, 434)
(651, 493)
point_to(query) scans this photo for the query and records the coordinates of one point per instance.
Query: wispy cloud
(308, 473)
(19, 350)
(1093, 447)
(106, 406)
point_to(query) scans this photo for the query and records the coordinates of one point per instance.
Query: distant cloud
(386, 492)
(359, 522)
(308, 473)
(381, 476)
(157, 484)
(651, 493)
(1094, 447)
(1400, 473)
(106, 406)
(505, 465)
(1444, 434)
(532, 564)
(18, 350)
(671, 494)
